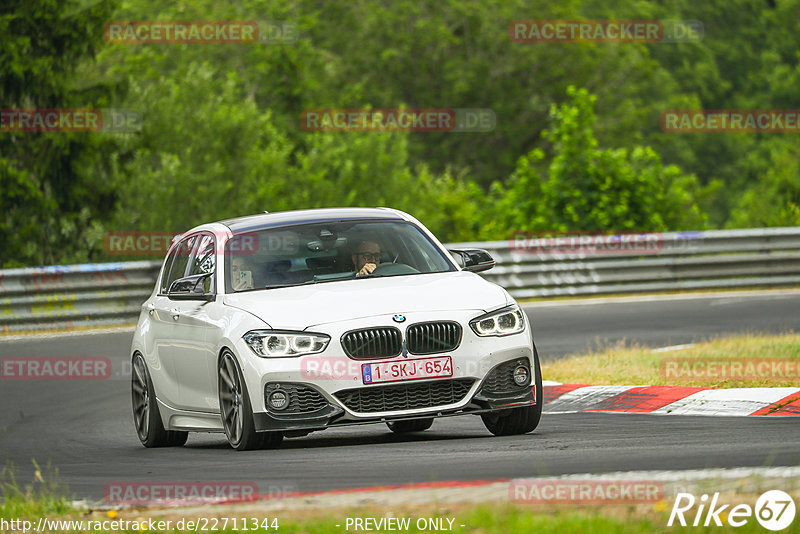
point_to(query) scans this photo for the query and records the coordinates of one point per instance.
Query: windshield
(325, 252)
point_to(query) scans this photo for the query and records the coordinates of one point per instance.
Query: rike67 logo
(774, 510)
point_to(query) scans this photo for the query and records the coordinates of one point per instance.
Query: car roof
(288, 218)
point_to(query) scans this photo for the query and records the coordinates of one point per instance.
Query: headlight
(274, 344)
(500, 323)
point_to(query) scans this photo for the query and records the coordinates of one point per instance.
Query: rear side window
(167, 267)
(204, 260)
(179, 259)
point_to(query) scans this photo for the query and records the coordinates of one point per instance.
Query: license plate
(398, 370)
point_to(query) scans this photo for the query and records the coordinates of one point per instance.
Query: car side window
(204, 260)
(181, 261)
(167, 267)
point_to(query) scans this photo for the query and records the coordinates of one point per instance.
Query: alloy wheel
(230, 388)
(140, 392)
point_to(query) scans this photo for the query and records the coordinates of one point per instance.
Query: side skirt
(175, 419)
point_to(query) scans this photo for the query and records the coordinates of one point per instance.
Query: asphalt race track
(560, 328)
(85, 429)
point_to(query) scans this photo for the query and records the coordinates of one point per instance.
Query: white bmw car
(281, 324)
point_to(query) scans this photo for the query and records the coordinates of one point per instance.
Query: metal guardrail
(111, 293)
(676, 261)
(66, 296)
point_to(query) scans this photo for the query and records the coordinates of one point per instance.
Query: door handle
(175, 312)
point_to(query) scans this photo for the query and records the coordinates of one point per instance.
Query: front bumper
(335, 394)
(482, 401)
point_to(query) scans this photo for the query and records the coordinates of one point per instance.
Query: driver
(366, 257)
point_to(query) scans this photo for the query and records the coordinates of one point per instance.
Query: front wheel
(518, 420)
(146, 416)
(237, 414)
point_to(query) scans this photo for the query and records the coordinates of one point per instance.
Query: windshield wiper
(278, 286)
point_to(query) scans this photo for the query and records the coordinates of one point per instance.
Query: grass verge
(43, 496)
(499, 516)
(719, 363)
(487, 518)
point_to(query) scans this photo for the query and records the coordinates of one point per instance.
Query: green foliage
(214, 158)
(53, 186)
(775, 200)
(584, 187)
(44, 495)
(221, 132)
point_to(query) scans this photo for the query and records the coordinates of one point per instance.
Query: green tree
(584, 187)
(775, 199)
(221, 133)
(225, 156)
(54, 188)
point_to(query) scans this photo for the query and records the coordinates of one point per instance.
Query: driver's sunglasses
(369, 256)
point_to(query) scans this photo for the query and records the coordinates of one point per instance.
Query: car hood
(297, 308)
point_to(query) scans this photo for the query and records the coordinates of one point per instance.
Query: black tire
(518, 420)
(236, 411)
(146, 417)
(411, 425)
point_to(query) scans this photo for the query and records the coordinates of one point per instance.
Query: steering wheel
(393, 268)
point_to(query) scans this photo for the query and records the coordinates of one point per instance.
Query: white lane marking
(585, 398)
(674, 347)
(685, 475)
(550, 383)
(590, 301)
(733, 401)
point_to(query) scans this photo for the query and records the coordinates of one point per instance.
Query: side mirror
(475, 260)
(190, 288)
